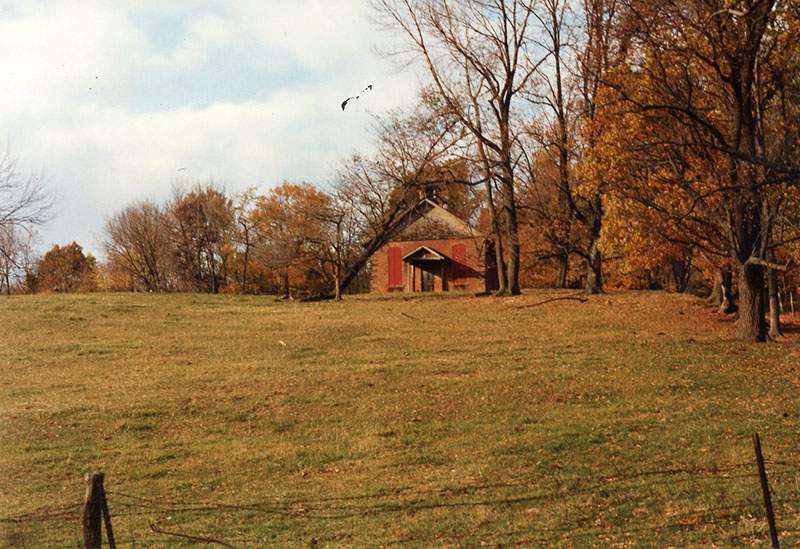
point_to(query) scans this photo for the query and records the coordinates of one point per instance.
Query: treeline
(292, 241)
(632, 143)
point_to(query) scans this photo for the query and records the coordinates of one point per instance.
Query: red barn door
(395, 267)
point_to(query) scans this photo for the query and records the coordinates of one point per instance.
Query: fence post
(92, 522)
(107, 519)
(95, 511)
(773, 531)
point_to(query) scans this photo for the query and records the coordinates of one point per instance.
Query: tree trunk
(725, 279)
(285, 283)
(337, 267)
(594, 260)
(774, 306)
(337, 282)
(244, 267)
(213, 274)
(512, 234)
(563, 145)
(751, 325)
(726, 306)
(717, 292)
(563, 269)
(652, 280)
(680, 275)
(355, 268)
(502, 283)
(594, 271)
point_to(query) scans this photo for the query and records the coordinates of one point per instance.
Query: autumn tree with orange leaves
(287, 226)
(696, 127)
(66, 269)
(564, 200)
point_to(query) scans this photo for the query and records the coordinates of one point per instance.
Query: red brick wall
(474, 274)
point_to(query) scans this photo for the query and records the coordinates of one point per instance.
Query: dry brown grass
(443, 420)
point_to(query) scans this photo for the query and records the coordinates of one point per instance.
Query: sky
(115, 101)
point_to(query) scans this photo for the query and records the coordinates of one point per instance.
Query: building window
(395, 267)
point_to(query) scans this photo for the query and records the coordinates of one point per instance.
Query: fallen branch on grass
(576, 297)
(158, 530)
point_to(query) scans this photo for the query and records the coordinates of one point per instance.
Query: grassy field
(438, 421)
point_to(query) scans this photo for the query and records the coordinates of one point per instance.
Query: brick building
(431, 250)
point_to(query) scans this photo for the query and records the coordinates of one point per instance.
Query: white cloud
(203, 34)
(317, 34)
(111, 108)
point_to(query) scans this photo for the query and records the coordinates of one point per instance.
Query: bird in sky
(344, 103)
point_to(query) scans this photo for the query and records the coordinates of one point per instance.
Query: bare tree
(581, 44)
(8, 253)
(555, 131)
(416, 157)
(336, 244)
(245, 227)
(25, 203)
(202, 222)
(598, 52)
(479, 56)
(137, 241)
(15, 254)
(376, 204)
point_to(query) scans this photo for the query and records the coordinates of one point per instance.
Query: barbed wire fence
(141, 515)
